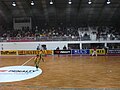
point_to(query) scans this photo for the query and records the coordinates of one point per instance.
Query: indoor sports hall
(59, 44)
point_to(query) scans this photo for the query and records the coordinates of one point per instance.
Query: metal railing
(53, 38)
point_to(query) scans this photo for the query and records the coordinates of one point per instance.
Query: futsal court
(67, 72)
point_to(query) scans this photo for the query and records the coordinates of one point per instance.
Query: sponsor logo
(18, 73)
(65, 52)
(99, 51)
(50, 52)
(56, 52)
(9, 52)
(3, 70)
(113, 51)
(62, 51)
(33, 52)
(28, 52)
(80, 51)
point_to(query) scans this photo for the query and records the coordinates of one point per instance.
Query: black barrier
(62, 51)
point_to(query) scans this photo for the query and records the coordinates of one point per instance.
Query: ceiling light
(108, 2)
(70, 2)
(89, 2)
(51, 2)
(32, 3)
(14, 4)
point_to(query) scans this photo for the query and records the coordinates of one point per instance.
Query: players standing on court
(58, 50)
(37, 59)
(106, 50)
(94, 51)
(41, 56)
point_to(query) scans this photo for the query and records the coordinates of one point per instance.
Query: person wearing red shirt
(94, 51)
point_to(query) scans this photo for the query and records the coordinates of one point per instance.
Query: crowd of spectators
(61, 33)
(99, 33)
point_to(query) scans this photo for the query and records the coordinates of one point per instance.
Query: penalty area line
(27, 61)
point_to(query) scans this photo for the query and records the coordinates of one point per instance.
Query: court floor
(67, 72)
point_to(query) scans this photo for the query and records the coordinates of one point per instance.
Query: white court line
(27, 61)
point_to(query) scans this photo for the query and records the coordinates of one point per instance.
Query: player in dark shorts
(41, 56)
(37, 61)
(106, 50)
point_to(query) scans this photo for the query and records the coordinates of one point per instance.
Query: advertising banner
(9, 52)
(34, 52)
(99, 51)
(114, 51)
(28, 52)
(49, 52)
(82, 51)
(62, 51)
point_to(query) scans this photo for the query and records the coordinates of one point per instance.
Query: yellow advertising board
(28, 52)
(34, 52)
(99, 51)
(9, 52)
(49, 52)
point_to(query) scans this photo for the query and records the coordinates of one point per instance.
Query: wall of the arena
(50, 45)
(59, 52)
(31, 45)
